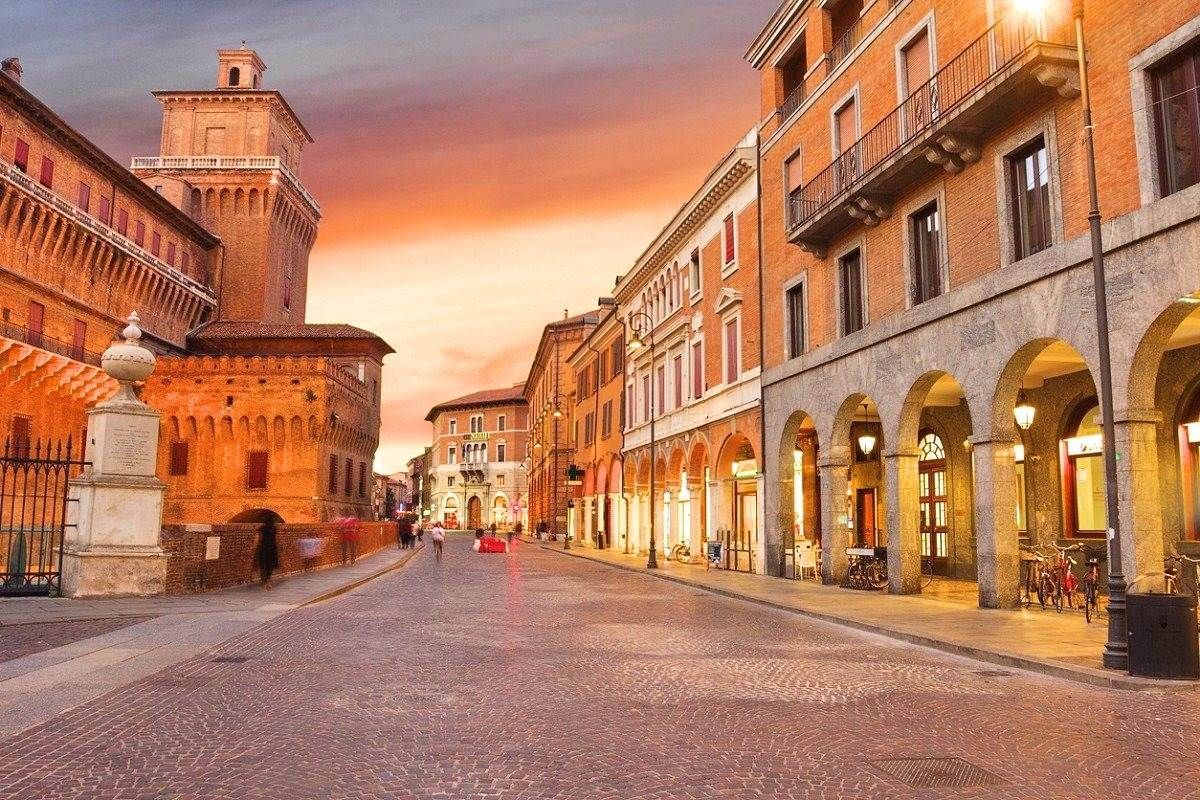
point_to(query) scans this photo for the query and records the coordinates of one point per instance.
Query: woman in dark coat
(268, 551)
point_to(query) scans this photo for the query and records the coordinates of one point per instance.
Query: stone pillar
(996, 544)
(1138, 496)
(776, 519)
(696, 534)
(620, 527)
(586, 504)
(115, 522)
(760, 554)
(836, 534)
(903, 521)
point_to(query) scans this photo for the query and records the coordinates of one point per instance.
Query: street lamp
(866, 441)
(1116, 649)
(1024, 412)
(635, 344)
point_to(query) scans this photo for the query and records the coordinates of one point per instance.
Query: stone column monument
(111, 546)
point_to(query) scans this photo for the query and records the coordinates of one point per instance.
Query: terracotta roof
(258, 337)
(509, 394)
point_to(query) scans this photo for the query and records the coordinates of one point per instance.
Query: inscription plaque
(129, 447)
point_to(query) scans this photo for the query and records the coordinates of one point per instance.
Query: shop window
(179, 459)
(1189, 451)
(1177, 120)
(926, 260)
(1029, 197)
(1082, 454)
(850, 282)
(256, 469)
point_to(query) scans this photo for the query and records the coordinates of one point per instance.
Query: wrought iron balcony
(941, 123)
(227, 162)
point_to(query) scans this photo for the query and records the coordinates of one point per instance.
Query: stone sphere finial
(128, 361)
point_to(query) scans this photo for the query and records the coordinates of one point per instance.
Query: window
(333, 474)
(362, 479)
(85, 197)
(235, 76)
(256, 469)
(733, 366)
(925, 230)
(449, 480)
(795, 320)
(589, 428)
(453, 426)
(171, 253)
(606, 420)
(1177, 121)
(602, 369)
(1022, 517)
(21, 155)
(47, 177)
(793, 178)
(502, 424)
(21, 434)
(618, 357)
(730, 243)
(647, 407)
(179, 458)
(694, 272)
(183, 262)
(349, 477)
(501, 480)
(915, 72)
(123, 222)
(1084, 473)
(35, 323)
(452, 455)
(1029, 197)
(697, 370)
(845, 133)
(678, 381)
(104, 212)
(628, 409)
(155, 243)
(139, 233)
(660, 388)
(850, 282)
(792, 70)
(476, 423)
(501, 451)
(78, 339)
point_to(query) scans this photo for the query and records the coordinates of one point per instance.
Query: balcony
(227, 162)
(473, 471)
(940, 124)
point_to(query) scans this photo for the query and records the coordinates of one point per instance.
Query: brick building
(598, 365)
(209, 242)
(926, 272)
(476, 473)
(693, 295)
(418, 481)
(550, 395)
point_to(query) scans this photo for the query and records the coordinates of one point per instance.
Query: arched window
(931, 448)
(1081, 458)
(235, 76)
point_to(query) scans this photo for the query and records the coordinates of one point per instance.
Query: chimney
(12, 68)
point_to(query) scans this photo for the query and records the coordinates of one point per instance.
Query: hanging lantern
(1024, 412)
(866, 441)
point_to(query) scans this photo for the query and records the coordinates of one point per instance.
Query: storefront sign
(476, 437)
(1085, 445)
(1193, 432)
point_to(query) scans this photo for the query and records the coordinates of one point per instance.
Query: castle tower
(231, 158)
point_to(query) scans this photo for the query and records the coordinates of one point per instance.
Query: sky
(482, 165)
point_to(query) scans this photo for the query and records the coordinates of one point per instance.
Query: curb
(352, 585)
(1092, 677)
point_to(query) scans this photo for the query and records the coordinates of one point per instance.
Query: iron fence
(34, 480)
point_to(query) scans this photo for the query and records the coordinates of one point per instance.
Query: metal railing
(950, 87)
(22, 333)
(844, 44)
(13, 175)
(227, 162)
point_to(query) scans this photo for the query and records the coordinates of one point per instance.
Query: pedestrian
(420, 536)
(439, 538)
(350, 527)
(310, 548)
(403, 531)
(268, 551)
(492, 529)
(514, 530)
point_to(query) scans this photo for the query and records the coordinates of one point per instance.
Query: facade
(927, 272)
(209, 243)
(418, 483)
(692, 300)
(391, 496)
(476, 476)
(550, 395)
(598, 365)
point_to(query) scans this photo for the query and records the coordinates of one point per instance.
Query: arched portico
(798, 508)
(737, 504)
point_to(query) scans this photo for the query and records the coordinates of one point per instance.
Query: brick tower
(230, 157)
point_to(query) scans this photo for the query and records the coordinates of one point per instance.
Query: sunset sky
(482, 164)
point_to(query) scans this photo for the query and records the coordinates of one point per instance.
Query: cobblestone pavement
(536, 676)
(23, 640)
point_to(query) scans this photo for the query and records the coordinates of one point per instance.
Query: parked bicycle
(1175, 564)
(869, 568)
(1091, 584)
(681, 553)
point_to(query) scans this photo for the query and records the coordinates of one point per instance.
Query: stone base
(114, 572)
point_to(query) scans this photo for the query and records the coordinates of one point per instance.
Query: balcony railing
(22, 333)
(227, 162)
(12, 174)
(844, 44)
(947, 108)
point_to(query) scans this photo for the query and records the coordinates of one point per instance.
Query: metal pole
(652, 560)
(1116, 649)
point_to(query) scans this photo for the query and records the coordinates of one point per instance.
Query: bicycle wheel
(926, 572)
(1044, 590)
(877, 577)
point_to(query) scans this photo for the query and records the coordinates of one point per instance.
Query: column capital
(832, 462)
(1151, 415)
(902, 452)
(980, 439)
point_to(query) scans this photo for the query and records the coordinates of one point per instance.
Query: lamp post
(1116, 649)
(635, 344)
(595, 439)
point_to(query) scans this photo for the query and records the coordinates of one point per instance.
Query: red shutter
(183, 262)
(731, 351)
(139, 233)
(47, 178)
(78, 340)
(21, 435)
(123, 222)
(171, 253)
(179, 459)
(85, 196)
(678, 381)
(104, 214)
(21, 155)
(697, 370)
(35, 322)
(256, 469)
(730, 251)
(155, 243)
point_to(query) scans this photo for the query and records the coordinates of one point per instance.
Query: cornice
(276, 100)
(770, 36)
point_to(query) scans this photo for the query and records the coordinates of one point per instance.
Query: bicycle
(1031, 561)
(1172, 566)
(1065, 582)
(681, 553)
(1091, 585)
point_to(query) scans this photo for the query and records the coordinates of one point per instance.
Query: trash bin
(1163, 640)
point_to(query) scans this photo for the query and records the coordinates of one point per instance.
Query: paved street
(539, 676)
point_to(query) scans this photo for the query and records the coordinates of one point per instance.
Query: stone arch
(798, 513)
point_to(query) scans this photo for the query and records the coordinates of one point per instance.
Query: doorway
(865, 518)
(474, 513)
(933, 503)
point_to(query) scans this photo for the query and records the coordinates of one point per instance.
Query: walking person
(350, 535)
(404, 532)
(268, 552)
(439, 539)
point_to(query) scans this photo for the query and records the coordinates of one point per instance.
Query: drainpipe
(762, 415)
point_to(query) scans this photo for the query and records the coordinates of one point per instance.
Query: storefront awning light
(1024, 413)
(866, 443)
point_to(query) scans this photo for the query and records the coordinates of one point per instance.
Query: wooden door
(865, 518)
(934, 527)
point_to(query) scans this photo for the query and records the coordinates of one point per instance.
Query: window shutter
(349, 477)
(256, 469)
(21, 155)
(731, 351)
(47, 178)
(123, 222)
(155, 243)
(729, 243)
(78, 339)
(139, 233)
(85, 196)
(179, 458)
(21, 435)
(333, 476)
(104, 213)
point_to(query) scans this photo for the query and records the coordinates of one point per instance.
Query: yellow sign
(476, 437)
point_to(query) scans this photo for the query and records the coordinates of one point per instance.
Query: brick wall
(188, 571)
